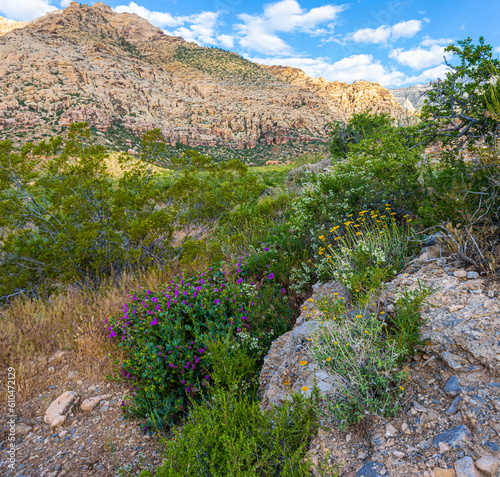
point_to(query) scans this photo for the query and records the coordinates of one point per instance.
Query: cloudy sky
(394, 43)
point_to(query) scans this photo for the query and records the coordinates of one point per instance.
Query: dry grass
(32, 331)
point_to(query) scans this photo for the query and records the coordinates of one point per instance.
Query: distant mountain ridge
(411, 97)
(125, 76)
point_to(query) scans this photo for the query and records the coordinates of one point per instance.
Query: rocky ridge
(125, 76)
(7, 25)
(449, 424)
(411, 98)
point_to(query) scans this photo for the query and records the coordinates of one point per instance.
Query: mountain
(7, 25)
(125, 76)
(411, 97)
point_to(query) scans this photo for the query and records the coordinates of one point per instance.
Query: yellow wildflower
(402, 388)
(322, 237)
(304, 388)
(335, 343)
(328, 359)
(303, 363)
(359, 233)
(310, 299)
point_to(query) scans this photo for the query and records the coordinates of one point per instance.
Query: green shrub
(360, 126)
(375, 172)
(226, 436)
(355, 350)
(405, 324)
(166, 335)
(70, 222)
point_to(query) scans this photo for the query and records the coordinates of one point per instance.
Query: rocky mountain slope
(411, 97)
(125, 76)
(7, 25)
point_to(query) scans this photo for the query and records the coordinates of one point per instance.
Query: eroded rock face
(7, 25)
(449, 422)
(121, 74)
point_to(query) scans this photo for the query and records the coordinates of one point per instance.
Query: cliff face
(120, 73)
(412, 97)
(7, 25)
(348, 98)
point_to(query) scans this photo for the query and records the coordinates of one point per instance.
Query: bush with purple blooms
(165, 335)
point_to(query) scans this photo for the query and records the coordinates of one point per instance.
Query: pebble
(439, 472)
(465, 468)
(372, 469)
(453, 436)
(453, 406)
(472, 275)
(453, 386)
(460, 274)
(487, 464)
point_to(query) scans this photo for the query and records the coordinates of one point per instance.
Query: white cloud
(406, 29)
(65, 3)
(419, 58)
(158, 19)
(259, 32)
(496, 49)
(199, 28)
(371, 35)
(25, 10)
(384, 33)
(226, 41)
(430, 74)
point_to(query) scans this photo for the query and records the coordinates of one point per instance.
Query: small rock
(22, 429)
(390, 430)
(405, 428)
(452, 436)
(398, 454)
(439, 472)
(472, 275)
(492, 445)
(465, 468)
(443, 447)
(453, 406)
(460, 274)
(372, 469)
(61, 407)
(424, 445)
(488, 465)
(72, 374)
(63, 433)
(453, 386)
(51, 370)
(454, 308)
(90, 403)
(79, 382)
(453, 361)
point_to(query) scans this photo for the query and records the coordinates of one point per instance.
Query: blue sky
(394, 43)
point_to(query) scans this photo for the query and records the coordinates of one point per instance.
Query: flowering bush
(364, 252)
(166, 334)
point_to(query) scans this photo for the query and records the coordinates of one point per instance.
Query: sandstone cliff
(125, 76)
(7, 25)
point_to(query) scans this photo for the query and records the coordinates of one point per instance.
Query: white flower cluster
(248, 290)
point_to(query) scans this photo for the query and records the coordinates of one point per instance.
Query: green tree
(360, 127)
(456, 111)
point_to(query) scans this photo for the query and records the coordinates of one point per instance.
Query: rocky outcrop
(348, 98)
(449, 424)
(411, 98)
(7, 25)
(125, 76)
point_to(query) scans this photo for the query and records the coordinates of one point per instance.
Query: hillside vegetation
(191, 268)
